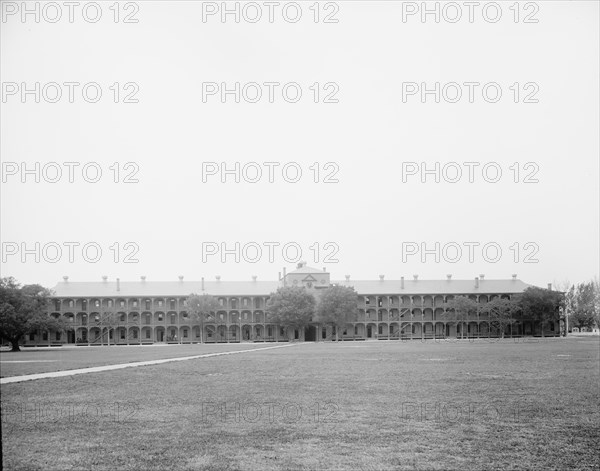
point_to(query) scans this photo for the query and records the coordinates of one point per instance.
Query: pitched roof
(163, 288)
(305, 269)
(374, 287)
(265, 288)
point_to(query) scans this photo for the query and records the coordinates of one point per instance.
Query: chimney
(476, 282)
(218, 277)
(254, 278)
(279, 276)
(118, 284)
(284, 275)
(347, 278)
(143, 278)
(550, 286)
(514, 277)
(181, 278)
(381, 277)
(66, 279)
(449, 277)
(202, 283)
(416, 277)
(104, 278)
(481, 277)
(402, 282)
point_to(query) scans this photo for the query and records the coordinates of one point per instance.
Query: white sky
(369, 53)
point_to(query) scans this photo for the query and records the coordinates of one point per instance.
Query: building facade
(144, 312)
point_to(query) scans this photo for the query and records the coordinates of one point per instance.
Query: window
(31, 336)
(160, 303)
(57, 305)
(173, 319)
(160, 317)
(109, 303)
(71, 303)
(413, 330)
(345, 332)
(552, 327)
(84, 305)
(172, 304)
(147, 333)
(134, 304)
(122, 318)
(245, 302)
(185, 333)
(97, 303)
(45, 336)
(148, 304)
(270, 331)
(367, 301)
(379, 302)
(281, 331)
(58, 336)
(380, 330)
(122, 303)
(135, 336)
(355, 330)
(122, 334)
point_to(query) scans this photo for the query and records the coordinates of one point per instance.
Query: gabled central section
(309, 277)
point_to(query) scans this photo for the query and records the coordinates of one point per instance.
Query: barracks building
(146, 312)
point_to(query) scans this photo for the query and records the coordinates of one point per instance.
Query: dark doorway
(310, 333)
(369, 331)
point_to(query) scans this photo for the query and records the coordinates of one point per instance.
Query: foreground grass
(364, 405)
(43, 360)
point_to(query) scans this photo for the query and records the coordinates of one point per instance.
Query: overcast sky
(379, 215)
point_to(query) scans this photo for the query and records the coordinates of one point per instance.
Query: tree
(583, 304)
(541, 305)
(201, 307)
(23, 310)
(108, 319)
(459, 308)
(500, 312)
(337, 306)
(291, 306)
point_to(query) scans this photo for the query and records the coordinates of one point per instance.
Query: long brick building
(146, 312)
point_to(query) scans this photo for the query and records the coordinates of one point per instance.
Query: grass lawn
(352, 405)
(45, 359)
